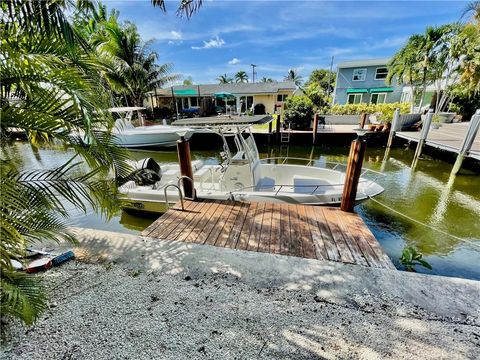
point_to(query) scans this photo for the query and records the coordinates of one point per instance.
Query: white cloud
(216, 42)
(176, 35)
(233, 61)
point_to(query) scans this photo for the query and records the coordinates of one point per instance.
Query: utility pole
(329, 78)
(253, 72)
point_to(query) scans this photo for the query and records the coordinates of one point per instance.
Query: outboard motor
(146, 172)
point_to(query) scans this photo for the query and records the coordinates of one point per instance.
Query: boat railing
(311, 162)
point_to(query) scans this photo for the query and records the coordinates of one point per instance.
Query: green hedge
(384, 111)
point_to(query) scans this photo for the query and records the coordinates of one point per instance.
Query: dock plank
(237, 226)
(285, 234)
(254, 239)
(295, 230)
(265, 232)
(296, 241)
(316, 235)
(306, 238)
(345, 254)
(275, 232)
(330, 246)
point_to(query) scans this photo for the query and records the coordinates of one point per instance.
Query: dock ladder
(285, 136)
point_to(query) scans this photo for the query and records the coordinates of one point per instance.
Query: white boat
(243, 176)
(127, 135)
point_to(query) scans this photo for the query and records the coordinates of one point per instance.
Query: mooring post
(185, 160)
(315, 128)
(352, 176)
(277, 129)
(394, 128)
(423, 137)
(467, 142)
(363, 120)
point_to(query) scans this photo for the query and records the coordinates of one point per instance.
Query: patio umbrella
(224, 95)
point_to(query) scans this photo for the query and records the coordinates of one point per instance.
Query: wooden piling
(363, 120)
(185, 160)
(394, 128)
(467, 142)
(315, 128)
(423, 137)
(277, 129)
(352, 176)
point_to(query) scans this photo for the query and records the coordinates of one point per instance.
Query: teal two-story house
(363, 81)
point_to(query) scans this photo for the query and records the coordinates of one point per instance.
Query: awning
(185, 92)
(357, 91)
(381, 90)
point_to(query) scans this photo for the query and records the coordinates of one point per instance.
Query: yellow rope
(426, 225)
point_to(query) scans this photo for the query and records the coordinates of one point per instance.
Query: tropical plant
(224, 79)
(186, 7)
(266, 80)
(412, 257)
(316, 94)
(51, 85)
(188, 81)
(241, 77)
(298, 112)
(130, 66)
(385, 111)
(324, 78)
(294, 76)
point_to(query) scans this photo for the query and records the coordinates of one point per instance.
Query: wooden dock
(448, 137)
(312, 232)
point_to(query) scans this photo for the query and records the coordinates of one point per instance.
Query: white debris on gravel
(110, 312)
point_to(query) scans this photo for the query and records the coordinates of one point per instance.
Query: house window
(354, 98)
(193, 101)
(378, 98)
(359, 74)
(282, 97)
(381, 73)
(184, 103)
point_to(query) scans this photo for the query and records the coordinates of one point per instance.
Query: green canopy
(185, 92)
(381, 90)
(224, 95)
(357, 91)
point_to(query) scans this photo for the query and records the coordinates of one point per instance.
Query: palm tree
(266, 80)
(52, 87)
(131, 66)
(241, 77)
(473, 9)
(224, 79)
(292, 75)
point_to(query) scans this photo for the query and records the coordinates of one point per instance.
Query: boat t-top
(127, 135)
(242, 175)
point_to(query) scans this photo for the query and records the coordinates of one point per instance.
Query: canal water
(425, 195)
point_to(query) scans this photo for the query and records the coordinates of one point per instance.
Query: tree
(293, 75)
(130, 65)
(188, 81)
(224, 79)
(241, 77)
(324, 78)
(298, 112)
(266, 80)
(51, 85)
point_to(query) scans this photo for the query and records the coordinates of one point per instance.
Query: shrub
(299, 112)
(384, 111)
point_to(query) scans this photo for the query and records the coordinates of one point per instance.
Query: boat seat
(265, 183)
(200, 174)
(307, 185)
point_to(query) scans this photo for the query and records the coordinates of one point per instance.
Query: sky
(226, 36)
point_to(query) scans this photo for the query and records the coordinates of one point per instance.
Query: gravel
(111, 311)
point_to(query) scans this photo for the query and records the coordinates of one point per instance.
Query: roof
(224, 120)
(237, 89)
(125, 109)
(359, 63)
